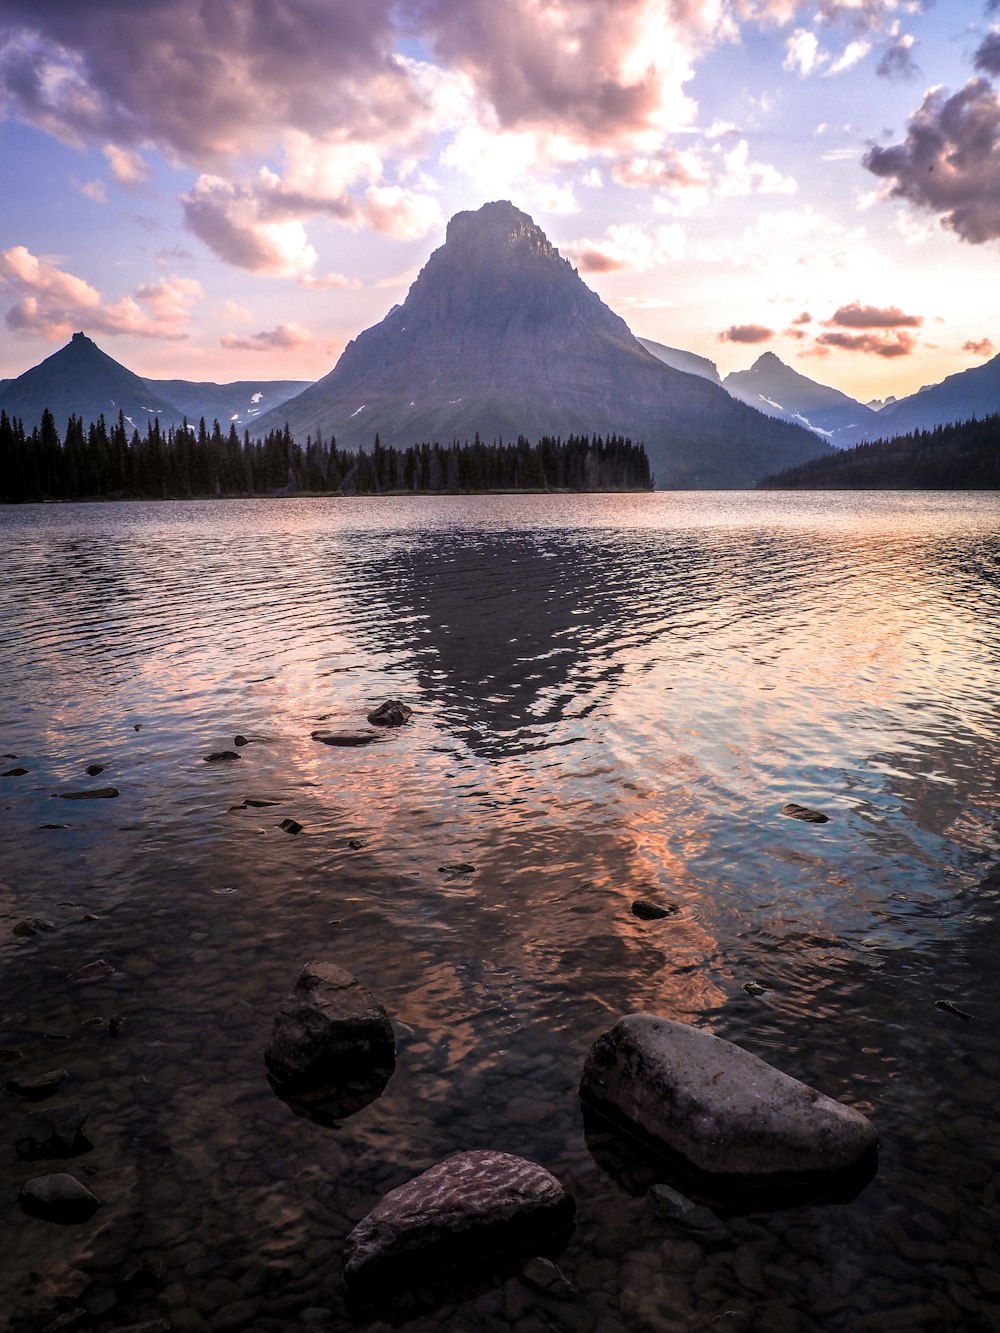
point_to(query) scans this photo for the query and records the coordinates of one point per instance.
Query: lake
(612, 696)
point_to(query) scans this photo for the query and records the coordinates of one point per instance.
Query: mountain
(242, 401)
(974, 392)
(499, 334)
(877, 404)
(782, 392)
(961, 456)
(689, 362)
(82, 380)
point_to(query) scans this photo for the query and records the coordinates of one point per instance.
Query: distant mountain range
(499, 335)
(81, 380)
(781, 392)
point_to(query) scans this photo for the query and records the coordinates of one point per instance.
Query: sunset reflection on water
(613, 697)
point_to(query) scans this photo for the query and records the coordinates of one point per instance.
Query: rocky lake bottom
(613, 698)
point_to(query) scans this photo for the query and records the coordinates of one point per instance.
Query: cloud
(803, 54)
(52, 303)
(949, 162)
(284, 338)
(857, 316)
(671, 168)
(203, 82)
(234, 313)
(740, 176)
(896, 61)
(988, 54)
(979, 347)
(898, 343)
(865, 16)
(257, 225)
(804, 318)
(853, 53)
(746, 333)
(328, 282)
(127, 167)
(627, 246)
(94, 190)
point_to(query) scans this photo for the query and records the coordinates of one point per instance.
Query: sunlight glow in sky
(214, 189)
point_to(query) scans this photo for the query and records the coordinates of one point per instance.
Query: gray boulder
(58, 1198)
(723, 1110)
(329, 1025)
(469, 1207)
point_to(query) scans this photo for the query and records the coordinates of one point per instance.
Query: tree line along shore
(98, 462)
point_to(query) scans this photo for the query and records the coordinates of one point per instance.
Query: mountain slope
(782, 392)
(974, 392)
(82, 380)
(688, 362)
(500, 335)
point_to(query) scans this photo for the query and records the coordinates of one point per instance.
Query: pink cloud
(746, 333)
(284, 338)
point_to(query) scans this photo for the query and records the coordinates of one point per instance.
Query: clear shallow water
(613, 696)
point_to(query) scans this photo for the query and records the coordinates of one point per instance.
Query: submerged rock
(221, 757)
(94, 769)
(31, 926)
(34, 1089)
(687, 1215)
(469, 1207)
(653, 909)
(794, 811)
(329, 1025)
(94, 794)
(54, 1132)
(345, 739)
(13, 773)
(241, 740)
(950, 1007)
(390, 714)
(92, 971)
(291, 826)
(723, 1110)
(58, 1198)
(457, 868)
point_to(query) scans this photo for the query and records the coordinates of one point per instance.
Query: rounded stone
(722, 1109)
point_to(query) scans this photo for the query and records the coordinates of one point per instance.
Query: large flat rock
(723, 1110)
(465, 1209)
(329, 1025)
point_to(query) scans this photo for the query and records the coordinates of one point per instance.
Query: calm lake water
(613, 696)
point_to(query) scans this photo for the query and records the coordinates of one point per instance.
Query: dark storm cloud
(949, 162)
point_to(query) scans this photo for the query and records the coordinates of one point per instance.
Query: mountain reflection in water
(613, 697)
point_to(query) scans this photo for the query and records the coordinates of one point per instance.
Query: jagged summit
(500, 335)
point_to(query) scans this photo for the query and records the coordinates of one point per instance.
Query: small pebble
(754, 988)
(94, 769)
(291, 826)
(240, 740)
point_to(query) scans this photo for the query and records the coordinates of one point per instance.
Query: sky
(233, 189)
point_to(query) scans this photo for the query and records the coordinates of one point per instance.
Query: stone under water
(328, 1025)
(722, 1109)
